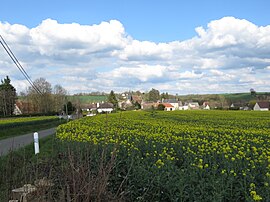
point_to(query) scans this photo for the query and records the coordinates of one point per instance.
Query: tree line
(52, 99)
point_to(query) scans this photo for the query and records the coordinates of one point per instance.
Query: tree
(59, 95)
(251, 104)
(161, 107)
(164, 95)
(112, 99)
(69, 107)
(252, 92)
(7, 97)
(154, 95)
(137, 105)
(41, 103)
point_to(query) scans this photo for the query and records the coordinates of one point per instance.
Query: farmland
(181, 156)
(86, 99)
(18, 126)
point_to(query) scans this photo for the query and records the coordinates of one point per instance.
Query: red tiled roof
(168, 105)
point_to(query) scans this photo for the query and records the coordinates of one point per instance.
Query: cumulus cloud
(228, 55)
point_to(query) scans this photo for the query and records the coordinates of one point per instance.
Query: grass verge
(78, 171)
(24, 129)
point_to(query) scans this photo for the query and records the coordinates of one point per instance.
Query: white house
(168, 107)
(193, 105)
(261, 106)
(105, 107)
(174, 102)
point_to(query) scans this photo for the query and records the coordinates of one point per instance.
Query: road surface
(14, 143)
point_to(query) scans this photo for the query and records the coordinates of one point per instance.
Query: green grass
(29, 128)
(56, 162)
(21, 166)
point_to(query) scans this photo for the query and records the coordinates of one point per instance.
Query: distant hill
(225, 100)
(247, 96)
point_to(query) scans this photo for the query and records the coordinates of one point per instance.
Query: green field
(181, 155)
(228, 97)
(87, 99)
(10, 127)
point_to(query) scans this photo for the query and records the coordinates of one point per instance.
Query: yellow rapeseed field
(183, 155)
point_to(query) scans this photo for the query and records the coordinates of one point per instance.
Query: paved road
(14, 143)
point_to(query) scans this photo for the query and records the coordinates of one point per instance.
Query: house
(136, 98)
(185, 107)
(168, 107)
(149, 105)
(99, 107)
(193, 105)
(239, 106)
(105, 107)
(128, 100)
(261, 106)
(174, 102)
(206, 106)
(92, 107)
(124, 104)
(236, 106)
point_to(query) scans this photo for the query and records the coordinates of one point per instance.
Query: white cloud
(145, 50)
(229, 55)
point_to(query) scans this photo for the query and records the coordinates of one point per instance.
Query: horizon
(176, 47)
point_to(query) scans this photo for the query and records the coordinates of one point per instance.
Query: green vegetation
(182, 155)
(112, 99)
(7, 97)
(78, 172)
(87, 99)
(22, 166)
(11, 127)
(141, 156)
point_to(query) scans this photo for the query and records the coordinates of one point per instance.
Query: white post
(36, 144)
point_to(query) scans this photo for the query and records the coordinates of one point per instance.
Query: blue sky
(182, 47)
(153, 20)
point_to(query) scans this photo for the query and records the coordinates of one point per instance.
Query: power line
(19, 66)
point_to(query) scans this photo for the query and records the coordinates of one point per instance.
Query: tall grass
(79, 172)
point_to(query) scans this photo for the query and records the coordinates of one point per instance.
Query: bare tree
(41, 103)
(59, 94)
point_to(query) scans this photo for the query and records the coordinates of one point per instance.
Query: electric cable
(19, 66)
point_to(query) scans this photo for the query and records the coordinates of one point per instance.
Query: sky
(183, 47)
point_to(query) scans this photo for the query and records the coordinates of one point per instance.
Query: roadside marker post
(36, 143)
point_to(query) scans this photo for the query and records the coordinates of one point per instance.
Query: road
(14, 143)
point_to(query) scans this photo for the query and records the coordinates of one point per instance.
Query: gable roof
(91, 106)
(205, 103)
(263, 104)
(237, 105)
(168, 105)
(136, 98)
(194, 103)
(105, 105)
